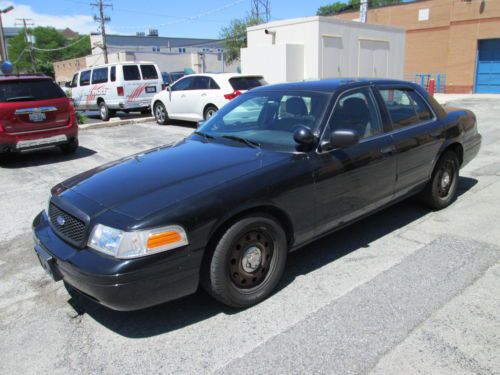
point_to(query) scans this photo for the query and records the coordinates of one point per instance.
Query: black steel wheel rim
(250, 258)
(445, 179)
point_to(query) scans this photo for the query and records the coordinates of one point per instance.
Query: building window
(156, 49)
(182, 50)
(423, 14)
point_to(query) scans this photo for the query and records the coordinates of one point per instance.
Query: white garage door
(333, 51)
(373, 58)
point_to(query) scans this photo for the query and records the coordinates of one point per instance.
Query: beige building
(457, 38)
(64, 70)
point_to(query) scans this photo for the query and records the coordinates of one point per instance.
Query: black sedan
(275, 169)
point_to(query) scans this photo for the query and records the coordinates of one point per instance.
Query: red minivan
(35, 113)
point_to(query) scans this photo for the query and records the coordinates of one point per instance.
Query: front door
(179, 105)
(353, 181)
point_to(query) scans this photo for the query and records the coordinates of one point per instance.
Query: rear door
(204, 91)
(416, 134)
(33, 105)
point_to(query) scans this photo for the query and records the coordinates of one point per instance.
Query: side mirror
(304, 136)
(68, 84)
(342, 138)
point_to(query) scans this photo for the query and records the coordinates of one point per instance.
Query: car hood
(147, 182)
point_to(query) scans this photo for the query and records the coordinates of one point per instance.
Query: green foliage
(81, 118)
(340, 6)
(235, 37)
(45, 38)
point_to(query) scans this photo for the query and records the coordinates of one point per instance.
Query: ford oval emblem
(61, 220)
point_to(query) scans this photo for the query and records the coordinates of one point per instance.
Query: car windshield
(268, 119)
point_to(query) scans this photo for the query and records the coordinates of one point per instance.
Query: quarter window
(131, 73)
(356, 110)
(85, 78)
(100, 75)
(405, 107)
(113, 74)
(149, 72)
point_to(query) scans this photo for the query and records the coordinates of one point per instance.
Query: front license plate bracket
(48, 263)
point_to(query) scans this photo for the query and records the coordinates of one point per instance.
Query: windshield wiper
(248, 142)
(20, 98)
(205, 135)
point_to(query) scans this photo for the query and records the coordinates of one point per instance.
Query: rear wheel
(441, 190)
(209, 112)
(247, 263)
(69, 148)
(104, 111)
(160, 113)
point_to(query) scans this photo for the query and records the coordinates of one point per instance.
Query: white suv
(197, 97)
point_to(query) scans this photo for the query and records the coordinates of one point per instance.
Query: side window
(183, 84)
(85, 78)
(213, 85)
(74, 82)
(149, 72)
(100, 75)
(356, 110)
(201, 83)
(131, 73)
(113, 74)
(405, 107)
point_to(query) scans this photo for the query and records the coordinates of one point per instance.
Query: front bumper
(144, 282)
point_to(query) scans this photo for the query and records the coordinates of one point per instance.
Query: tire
(160, 113)
(247, 262)
(441, 191)
(104, 111)
(70, 148)
(209, 111)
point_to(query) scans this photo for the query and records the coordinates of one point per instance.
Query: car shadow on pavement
(42, 157)
(189, 310)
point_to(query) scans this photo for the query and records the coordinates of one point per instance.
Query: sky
(175, 18)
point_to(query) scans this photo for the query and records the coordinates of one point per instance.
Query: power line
(60, 48)
(102, 21)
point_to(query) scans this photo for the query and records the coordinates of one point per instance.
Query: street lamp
(2, 39)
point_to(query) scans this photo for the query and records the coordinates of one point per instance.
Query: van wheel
(441, 190)
(247, 262)
(209, 112)
(104, 111)
(69, 148)
(161, 114)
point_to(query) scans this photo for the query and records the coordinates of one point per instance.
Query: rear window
(149, 72)
(131, 73)
(246, 83)
(100, 75)
(25, 91)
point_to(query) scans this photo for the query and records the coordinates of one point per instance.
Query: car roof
(225, 75)
(25, 77)
(329, 85)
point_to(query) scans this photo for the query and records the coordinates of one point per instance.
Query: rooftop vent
(153, 32)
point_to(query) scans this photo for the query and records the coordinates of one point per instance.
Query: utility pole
(102, 21)
(261, 10)
(5, 57)
(363, 10)
(28, 40)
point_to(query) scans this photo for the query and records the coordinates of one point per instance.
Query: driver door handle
(389, 150)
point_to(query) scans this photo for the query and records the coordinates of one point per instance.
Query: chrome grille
(67, 226)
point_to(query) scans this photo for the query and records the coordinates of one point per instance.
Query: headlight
(122, 244)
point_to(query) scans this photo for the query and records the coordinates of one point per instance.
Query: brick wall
(64, 70)
(445, 43)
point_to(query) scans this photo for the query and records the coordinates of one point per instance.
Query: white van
(124, 86)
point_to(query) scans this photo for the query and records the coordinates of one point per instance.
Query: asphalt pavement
(405, 291)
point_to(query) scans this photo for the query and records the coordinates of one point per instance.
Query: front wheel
(160, 113)
(441, 190)
(247, 262)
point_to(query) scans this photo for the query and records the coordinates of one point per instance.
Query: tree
(46, 38)
(340, 6)
(235, 37)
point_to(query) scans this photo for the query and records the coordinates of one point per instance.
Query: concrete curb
(109, 124)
